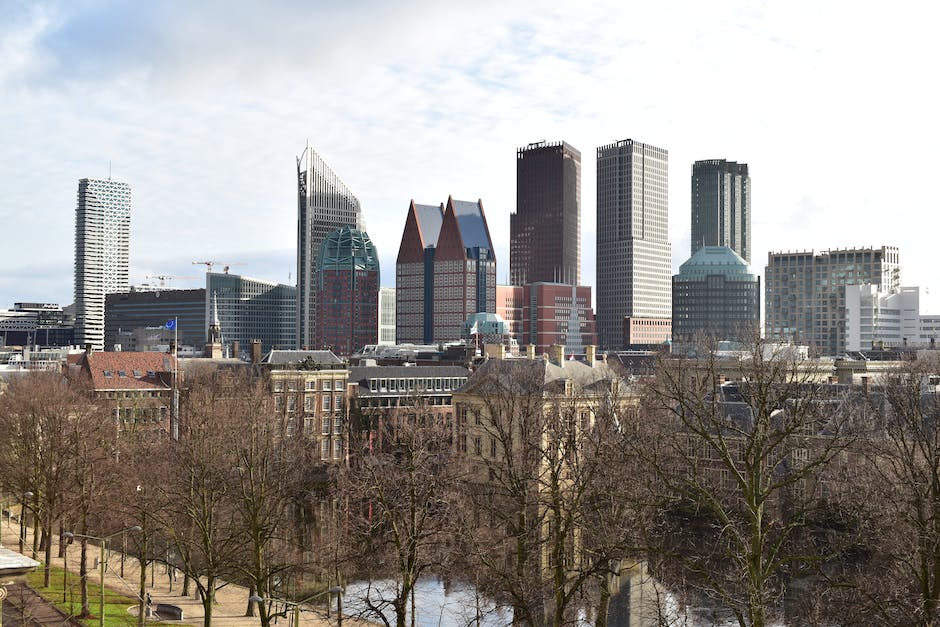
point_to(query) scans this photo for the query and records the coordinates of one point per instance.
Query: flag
(171, 324)
(474, 329)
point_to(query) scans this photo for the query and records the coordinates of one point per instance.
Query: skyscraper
(634, 257)
(414, 274)
(348, 310)
(714, 297)
(324, 204)
(102, 245)
(721, 206)
(805, 295)
(545, 230)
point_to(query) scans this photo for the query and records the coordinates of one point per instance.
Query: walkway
(231, 600)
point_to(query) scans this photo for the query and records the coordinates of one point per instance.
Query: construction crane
(163, 278)
(209, 264)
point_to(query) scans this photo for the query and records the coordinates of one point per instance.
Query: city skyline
(206, 130)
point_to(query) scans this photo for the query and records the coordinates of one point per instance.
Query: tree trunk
(47, 571)
(83, 573)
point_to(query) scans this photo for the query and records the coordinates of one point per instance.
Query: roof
(347, 248)
(715, 260)
(129, 370)
(281, 357)
(362, 373)
(527, 376)
(430, 218)
(472, 224)
(13, 564)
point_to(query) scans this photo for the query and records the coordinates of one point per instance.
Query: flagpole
(175, 427)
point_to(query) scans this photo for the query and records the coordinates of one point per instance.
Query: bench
(165, 611)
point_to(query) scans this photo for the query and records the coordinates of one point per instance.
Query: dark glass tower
(721, 206)
(545, 230)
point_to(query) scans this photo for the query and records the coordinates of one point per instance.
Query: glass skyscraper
(545, 230)
(102, 253)
(634, 257)
(324, 204)
(721, 206)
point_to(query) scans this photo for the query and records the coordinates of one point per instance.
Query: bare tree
(399, 504)
(539, 437)
(741, 473)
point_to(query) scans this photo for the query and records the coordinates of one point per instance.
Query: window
(310, 402)
(327, 384)
(478, 446)
(325, 426)
(337, 424)
(326, 403)
(325, 448)
(278, 385)
(278, 403)
(291, 403)
(492, 447)
(338, 402)
(107, 373)
(311, 384)
(338, 448)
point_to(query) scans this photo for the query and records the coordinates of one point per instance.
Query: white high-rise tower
(634, 257)
(324, 204)
(102, 245)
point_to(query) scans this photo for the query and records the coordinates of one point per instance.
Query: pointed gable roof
(422, 229)
(464, 228)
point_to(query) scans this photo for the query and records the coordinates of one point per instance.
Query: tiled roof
(297, 356)
(126, 370)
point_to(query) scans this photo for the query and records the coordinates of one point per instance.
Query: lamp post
(23, 506)
(295, 614)
(103, 543)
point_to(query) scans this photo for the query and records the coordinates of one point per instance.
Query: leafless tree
(399, 495)
(742, 474)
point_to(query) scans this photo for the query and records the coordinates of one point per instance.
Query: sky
(203, 107)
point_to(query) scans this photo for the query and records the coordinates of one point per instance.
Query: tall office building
(324, 204)
(721, 206)
(714, 297)
(387, 316)
(414, 274)
(545, 230)
(805, 295)
(446, 271)
(634, 257)
(250, 309)
(348, 311)
(102, 245)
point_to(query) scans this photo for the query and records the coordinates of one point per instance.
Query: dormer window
(137, 373)
(122, 373)
(107, 373)
(151, 374)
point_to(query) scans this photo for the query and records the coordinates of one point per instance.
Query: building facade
(348, 310)
(132, 316)
(714, 296)
(634, 257)
(102, 253)
(324, 204)
(545, 230)
(251, 309)
(36, 324)
(464, 269)
(309, 388)
(414, 274)
(804, 292)
(877, 320)
(387, 316)
(721, 206)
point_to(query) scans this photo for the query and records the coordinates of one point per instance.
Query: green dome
(348, 249)
(715, 260)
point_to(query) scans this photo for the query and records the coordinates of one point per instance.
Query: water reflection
(636, 601)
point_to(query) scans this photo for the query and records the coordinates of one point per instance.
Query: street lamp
(23, 506)
(103, 542)
(295, 620)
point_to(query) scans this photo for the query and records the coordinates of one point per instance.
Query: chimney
(256, 351)
(557, 354)
(865, 384)
(590, 354)
(530, 351)
(494, 351)
(88, 349)
(236, 348)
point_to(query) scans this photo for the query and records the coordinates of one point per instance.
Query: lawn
(115, 604)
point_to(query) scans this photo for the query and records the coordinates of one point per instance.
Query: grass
(115, 604)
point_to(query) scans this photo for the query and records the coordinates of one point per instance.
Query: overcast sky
(203, 107)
